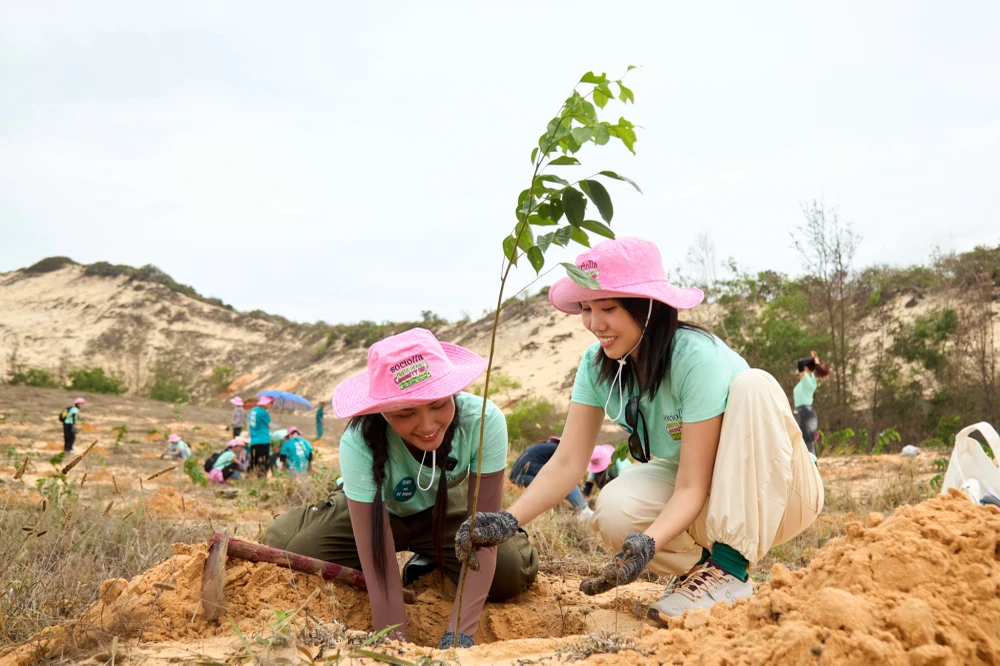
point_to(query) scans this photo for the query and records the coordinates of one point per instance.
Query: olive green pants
(324, 531)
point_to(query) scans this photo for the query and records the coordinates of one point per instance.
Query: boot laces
(700, 581)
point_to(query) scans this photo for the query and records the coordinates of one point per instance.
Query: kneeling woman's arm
(385, 593)
(477, 584)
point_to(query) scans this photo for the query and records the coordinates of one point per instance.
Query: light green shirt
(72, 414)
(399, 490)
(696, 389)
(805, 390)
(225, 458)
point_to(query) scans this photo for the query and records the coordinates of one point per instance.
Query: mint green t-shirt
(696, 389)
(72, 414)
(399, 491)
(805, 390)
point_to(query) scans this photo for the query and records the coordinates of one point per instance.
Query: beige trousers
(765, 487)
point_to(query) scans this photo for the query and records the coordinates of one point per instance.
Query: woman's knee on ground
(517, 567)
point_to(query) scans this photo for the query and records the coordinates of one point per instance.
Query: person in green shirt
(411, 462)
(810, 369)
(319, 422)
(259, 422)
(712, 494)
(69, 418)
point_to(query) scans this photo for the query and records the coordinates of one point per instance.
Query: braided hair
(375, 433)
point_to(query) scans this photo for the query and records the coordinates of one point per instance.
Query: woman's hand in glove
(637, 550)
(492, 529)
(448, 641)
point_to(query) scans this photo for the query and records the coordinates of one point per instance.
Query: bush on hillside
(531, 420)
(105, 269)
(35, 377)
(48, 265)
(95, 381)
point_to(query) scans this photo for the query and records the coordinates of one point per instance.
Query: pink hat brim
(566, 295)
(236, 401)
(265, 400)
(351, 397)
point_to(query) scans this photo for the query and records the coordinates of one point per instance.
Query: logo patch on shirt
(674, 425)
(405, 489)
(410, 371)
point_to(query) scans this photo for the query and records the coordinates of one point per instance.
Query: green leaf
(590, 77)
(510, 249)
(524, 235)
(562, 236)
(582, 135)
(574, 205)
(612, 174)
(536, 258)
(625, 94)
(534, 154)
(630, 68)
(602, 134)
(595, 190)
(545, 240)
(378, 656)
(600, 99)
(580, 236)
(541, 221)
(626, 134)
(598, 228)
(565, 160)
(576, 274)
(544, 210)
(557, 210)
(605, 90)
(549, 178)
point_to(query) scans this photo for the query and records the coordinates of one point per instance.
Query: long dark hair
(375, 433)
(655, 350)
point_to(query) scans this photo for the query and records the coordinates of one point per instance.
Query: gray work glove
(448, 641)
(492, 529)
(630, 561)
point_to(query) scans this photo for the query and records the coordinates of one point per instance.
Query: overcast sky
(346, 161)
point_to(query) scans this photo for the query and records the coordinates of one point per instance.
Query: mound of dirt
(922, 587)
(919, 588)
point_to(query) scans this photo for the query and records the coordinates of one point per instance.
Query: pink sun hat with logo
(600, 459)
(405, 370)
(625, 268)
(174, 438)
(236, 400)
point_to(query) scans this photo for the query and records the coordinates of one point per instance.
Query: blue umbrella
(286, 400)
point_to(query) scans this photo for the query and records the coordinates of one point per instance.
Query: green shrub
(95, 381)
(35, 377)
(530, 420)
(168, 390)
(222, 376)
(105, 269)
(48, 265)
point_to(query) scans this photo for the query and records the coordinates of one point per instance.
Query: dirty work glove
(492, 529)
(448, 641)
(630, 561)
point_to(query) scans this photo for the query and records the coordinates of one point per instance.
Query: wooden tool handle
(253, 552)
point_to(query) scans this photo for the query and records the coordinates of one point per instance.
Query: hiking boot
(417, 566)
(702, 588)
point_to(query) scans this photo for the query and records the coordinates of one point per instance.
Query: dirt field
(860, 586)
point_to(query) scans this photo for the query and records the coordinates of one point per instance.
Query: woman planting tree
(409, 458)
(714, 493)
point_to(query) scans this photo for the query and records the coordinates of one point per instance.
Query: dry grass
(56, 551)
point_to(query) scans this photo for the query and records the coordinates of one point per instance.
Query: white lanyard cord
(433, 469)
(618, 375)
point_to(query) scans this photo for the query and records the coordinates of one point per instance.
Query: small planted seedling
(553, 201)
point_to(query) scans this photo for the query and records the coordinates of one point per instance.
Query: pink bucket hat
(233, 443)
(293, 431)
(265, 400)
(174, 438)
(79, 401)
(625, 268)
(404, 370)
(600, 459)
(236, 400)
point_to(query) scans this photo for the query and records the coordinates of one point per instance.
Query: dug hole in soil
(919, 588)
